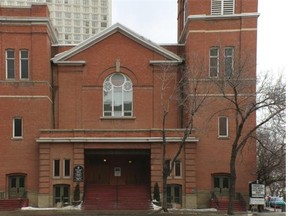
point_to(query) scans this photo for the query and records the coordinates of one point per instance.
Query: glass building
(75, 20)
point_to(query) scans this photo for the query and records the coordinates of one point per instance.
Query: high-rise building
(75, 20)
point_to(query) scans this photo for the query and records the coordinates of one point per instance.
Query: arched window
(117, 96)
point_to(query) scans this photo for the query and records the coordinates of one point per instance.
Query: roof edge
(109, 31)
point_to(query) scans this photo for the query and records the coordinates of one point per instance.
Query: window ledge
(223, 138)
(17, 138)
(117, 118)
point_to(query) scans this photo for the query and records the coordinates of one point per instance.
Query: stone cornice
(112, 139)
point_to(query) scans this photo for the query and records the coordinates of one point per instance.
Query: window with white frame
(94, 16)
(177, 168)
(167, 166)
(223, 126)
(104, 3)
(214, 62)
(24, 64)
(17, 127)
(10, 64)
(228, 61)
(67, 168)
(56, 168)
(103, 24)
(222, 7)
(117, 96)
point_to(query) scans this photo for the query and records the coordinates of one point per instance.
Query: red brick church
(92, 113)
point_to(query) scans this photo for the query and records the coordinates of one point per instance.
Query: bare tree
(239, 91)
(271, 154)
(184, 90)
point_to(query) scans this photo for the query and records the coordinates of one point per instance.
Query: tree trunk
(232, 188)
(164, 200)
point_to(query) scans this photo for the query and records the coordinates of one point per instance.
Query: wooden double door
(119, 169)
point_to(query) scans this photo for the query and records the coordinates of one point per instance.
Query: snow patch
(70, 207)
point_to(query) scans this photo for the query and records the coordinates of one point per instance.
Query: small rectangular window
(103, 24)
(229, 61)
(214, 62)
(223, 126)
(67, 168)
(24, 64)
(177, 168)
(56, 168)
(10, 64)
(17, 128)
(167, 167)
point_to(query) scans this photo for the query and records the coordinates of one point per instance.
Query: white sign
(258, 190)
(117, 171)
(257, 201)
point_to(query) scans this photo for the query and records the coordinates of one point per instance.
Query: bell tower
(215, 29)
(220, 35)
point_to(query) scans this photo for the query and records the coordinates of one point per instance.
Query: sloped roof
(62, 57)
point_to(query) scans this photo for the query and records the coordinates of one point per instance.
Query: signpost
(257, 194)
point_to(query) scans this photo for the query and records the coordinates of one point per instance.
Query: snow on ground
(78, 207)
(155, 207)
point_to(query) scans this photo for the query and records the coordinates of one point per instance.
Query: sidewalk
(172, 212)
(118, 213)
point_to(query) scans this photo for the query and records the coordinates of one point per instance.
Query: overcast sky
(157, 21)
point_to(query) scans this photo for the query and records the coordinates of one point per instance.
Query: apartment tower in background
(75, 20)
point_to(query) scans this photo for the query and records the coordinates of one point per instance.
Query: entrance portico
(133, 160)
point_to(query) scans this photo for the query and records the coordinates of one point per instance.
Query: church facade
(92, 114)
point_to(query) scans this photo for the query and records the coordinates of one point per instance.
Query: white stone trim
(109, 31)
(230, 16)
(26, 97)
(112, 139)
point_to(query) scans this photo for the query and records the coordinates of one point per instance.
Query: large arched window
(117, 96)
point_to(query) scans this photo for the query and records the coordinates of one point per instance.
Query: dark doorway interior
(121, 167)
(117, 179)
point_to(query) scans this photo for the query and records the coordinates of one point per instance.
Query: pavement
(173, 212)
